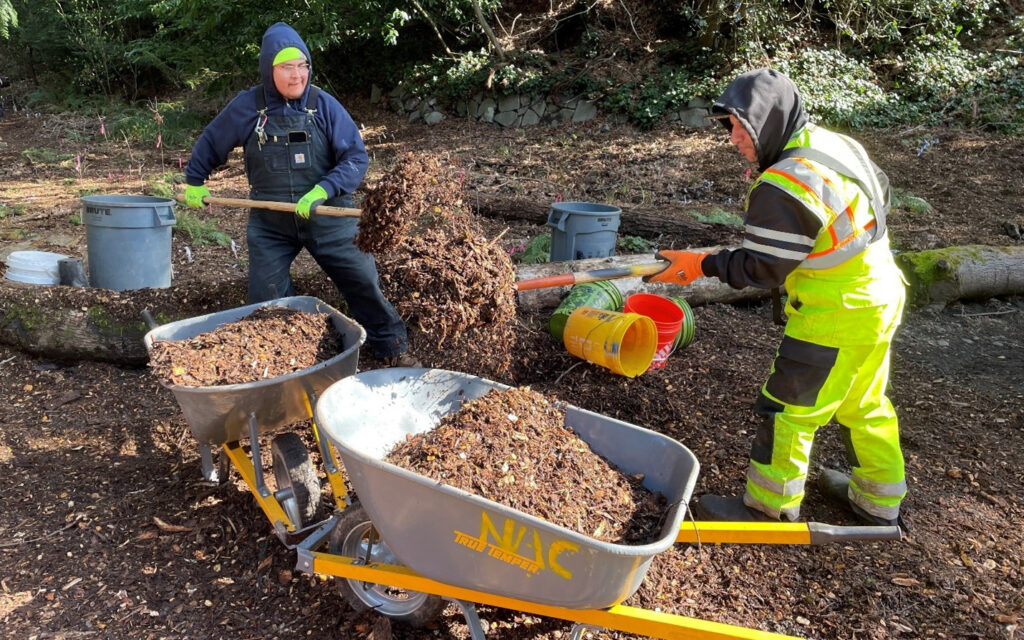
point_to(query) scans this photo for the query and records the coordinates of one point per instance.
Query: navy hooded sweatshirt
(233, 126)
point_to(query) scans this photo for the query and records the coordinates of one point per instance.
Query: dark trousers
(275, 238)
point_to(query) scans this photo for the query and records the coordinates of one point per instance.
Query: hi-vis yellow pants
(833, 362)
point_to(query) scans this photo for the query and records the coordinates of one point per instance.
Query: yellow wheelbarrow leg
(620, 618)
(334, 477)
(271, 507)
(801, 533)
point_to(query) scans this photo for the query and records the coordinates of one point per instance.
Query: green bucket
(599, 295)
(689, 327)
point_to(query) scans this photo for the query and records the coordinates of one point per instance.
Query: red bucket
(668, 319)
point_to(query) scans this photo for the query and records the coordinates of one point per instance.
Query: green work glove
(194, 196)
(314, 197)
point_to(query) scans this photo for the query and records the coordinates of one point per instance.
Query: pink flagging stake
(159, 140)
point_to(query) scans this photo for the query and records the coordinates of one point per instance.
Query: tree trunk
(646, 222)
(72, 334)
(975, 272)
(63, 323)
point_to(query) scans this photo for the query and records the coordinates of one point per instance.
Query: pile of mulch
(454, 287)
(270, 342)
(512, 447)
(416, 191)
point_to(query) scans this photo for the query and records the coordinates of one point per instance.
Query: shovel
(321, 210)
(567, 279)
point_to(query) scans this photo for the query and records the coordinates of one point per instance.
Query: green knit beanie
(287, 54)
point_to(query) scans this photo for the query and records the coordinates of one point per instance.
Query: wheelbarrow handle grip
(579, 277)
(798, 533)
(289, 207)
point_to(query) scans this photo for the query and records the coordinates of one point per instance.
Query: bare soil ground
(108, 530)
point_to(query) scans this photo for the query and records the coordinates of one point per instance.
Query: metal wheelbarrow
(411, 542)
(222, 415)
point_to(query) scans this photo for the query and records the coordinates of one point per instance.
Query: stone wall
(519, 110)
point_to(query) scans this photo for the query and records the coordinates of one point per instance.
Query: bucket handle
(162, 220)
(558, 222)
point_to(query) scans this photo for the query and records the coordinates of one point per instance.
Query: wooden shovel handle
(322, 210)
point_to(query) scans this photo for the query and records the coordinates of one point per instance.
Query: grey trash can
(581, 230)
(129, 241)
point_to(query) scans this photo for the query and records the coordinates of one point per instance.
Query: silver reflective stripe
(788, 254)
(838, 256)
(879, 489)
(889, 513)
(829, 196)
(791, 513)
(841, 225)
(791, 488)
(782, 236)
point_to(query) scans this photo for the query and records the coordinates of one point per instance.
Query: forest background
(149, 69)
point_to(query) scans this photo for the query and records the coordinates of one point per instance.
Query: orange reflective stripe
(848, 212)
(836, 243)
(817, 197)
(803, 186)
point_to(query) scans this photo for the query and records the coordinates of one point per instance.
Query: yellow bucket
(621, 342)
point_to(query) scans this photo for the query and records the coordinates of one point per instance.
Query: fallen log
(71, 324)
(88, 333)
(81, 323)
(646, 222)
(974, 272)
(935, 277)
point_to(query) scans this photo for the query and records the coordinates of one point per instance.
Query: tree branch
(433, 26)
(487, 30)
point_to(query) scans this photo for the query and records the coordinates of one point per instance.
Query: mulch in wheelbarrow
(270, 342)
(512, 447)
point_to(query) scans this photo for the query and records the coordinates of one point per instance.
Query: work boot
(835, 486)
(405, 359)
(720, 508)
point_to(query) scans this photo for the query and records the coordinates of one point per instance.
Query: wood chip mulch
(512, 447)
(270, 342)
(454, 287)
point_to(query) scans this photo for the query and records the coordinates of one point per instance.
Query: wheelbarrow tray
(462, 539)
(219, 414)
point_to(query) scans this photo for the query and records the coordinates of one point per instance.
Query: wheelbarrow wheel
(352, 537)
(298, 488)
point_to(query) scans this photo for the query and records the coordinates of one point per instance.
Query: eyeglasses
(301, 67)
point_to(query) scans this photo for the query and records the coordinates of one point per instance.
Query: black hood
(768, 106)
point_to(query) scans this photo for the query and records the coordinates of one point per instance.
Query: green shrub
(171, 123)
(42, 155)
(9, 211)
(538, 250)
(909, 202)
(634, 244)
(717, 216)
(839, 90)
(199, 231)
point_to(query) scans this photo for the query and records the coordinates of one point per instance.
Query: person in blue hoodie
(301, 146)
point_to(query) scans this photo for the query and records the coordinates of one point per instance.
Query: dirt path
(108, 530)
